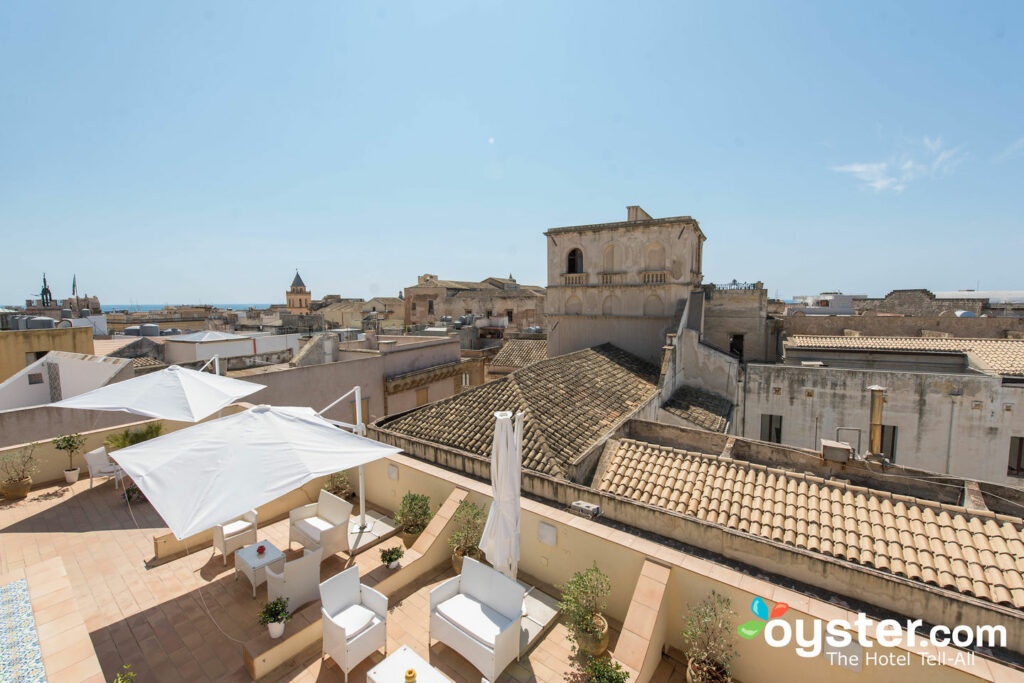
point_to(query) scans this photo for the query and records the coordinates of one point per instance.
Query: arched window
(653, 306)
(610, 305)
(574, 263)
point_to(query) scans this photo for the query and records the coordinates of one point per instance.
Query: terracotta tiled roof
(1001, 356)
(978, 553)
(518, 353)
(145, 362)
(568, 403)
(701, 408)
(105, 347)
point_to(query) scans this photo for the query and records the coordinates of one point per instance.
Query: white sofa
(354, 619)
(234, 534)
(323, 524)
(299, 580)
(479, 614)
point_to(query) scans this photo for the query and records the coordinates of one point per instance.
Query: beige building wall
(622, 283)
(971, 430)
(740, 313)
(430, 299)
(17, 345)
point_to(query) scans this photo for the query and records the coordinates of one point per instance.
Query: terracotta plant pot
(458, 559)
(276, 629)
(691, 676)
(16, 490)
(71, 476)
(595, 644)
(407, 538)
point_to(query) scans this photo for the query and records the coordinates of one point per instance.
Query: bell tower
(297, 297)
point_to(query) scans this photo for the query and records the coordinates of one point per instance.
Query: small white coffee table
(393, 668)
(254, 565)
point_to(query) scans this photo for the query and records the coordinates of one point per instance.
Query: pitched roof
(518, 353)
(105, 347)
(297, 281)
(568, 402)
(701, 408)
(145, 362)
(973, 552)
(1001, 356)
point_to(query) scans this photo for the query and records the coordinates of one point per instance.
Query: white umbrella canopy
(205, 475)
(174, 393)
(500, 540)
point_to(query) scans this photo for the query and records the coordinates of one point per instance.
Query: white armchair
(479, 614)
(354, 619)
(299, 581)
(100, 465)
(234, 534)
(322, 524)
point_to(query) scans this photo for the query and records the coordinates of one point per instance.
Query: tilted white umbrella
(203, 475)
(500, 540)
(174, 393)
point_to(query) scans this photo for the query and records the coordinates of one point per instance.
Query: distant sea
(107, 308)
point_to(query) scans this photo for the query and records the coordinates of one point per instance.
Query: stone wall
(917, 302)
(742, 312)
(898, 326)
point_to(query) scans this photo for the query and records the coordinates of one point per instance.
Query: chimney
(877, 398)
(635, 213)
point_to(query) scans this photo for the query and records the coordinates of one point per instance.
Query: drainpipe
(875, 436)
(952, 414)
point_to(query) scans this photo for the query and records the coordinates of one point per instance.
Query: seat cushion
(355, 619)
(312, 526)
(474, 617)
(236, 527)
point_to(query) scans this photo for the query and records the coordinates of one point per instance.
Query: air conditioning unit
(836, 451)
(585, 509)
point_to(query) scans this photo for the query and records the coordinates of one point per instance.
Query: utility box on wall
(836, 451)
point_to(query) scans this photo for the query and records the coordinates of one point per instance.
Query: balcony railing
(655, 277)
(574, 278)
(611, 278)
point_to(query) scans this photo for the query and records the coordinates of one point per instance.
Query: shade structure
(174, 393)
(207, 474)
(500, 540)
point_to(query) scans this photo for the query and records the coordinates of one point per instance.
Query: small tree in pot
(584, 597)
(412, 516)
(587, 669)
(708, 633)
(71, 444)
(16, 470)
(469, 522)
(274, 615)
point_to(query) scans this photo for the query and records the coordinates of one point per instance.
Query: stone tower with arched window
(623, 283)
(297, 297)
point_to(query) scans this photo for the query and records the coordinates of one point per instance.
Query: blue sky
(200, 152)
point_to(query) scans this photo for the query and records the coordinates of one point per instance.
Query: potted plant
(133, 494)
(339, 485)
(71, 444)
(584, 597)
(16, 471)
(391, 556)
(412, 516)
(469, 522)
(708, 633)
(587, 669)
(274, 615)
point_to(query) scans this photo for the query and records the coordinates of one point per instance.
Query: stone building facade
(519, 306)
(622, 282)
(736, 320)
(298, 298)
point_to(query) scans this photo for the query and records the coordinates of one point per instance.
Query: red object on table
(261, 549)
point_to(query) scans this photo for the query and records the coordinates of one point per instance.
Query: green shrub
(708, 634)
(389, 555)
(588, 669)
(125, 675)
(275, 612)
(71, 444)
(130, 437)
(413, 513)
(339, 485)
(584, 597)
(469, 522)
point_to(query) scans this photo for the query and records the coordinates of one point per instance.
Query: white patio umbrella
(500, 540)
(174, 393)
(203, 475)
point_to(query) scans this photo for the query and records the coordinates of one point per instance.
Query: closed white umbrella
(200, 476)
(500, 540)
(174, 393)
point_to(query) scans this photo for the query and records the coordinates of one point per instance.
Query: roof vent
(585, 509)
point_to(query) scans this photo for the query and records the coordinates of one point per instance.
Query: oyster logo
(760, 609)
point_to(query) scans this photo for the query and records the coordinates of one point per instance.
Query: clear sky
(172, 152)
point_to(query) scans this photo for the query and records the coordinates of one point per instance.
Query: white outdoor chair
(100, 465)
(234, 534)
(322, 524)
(479, 614)
(354, 619)
(299, 581)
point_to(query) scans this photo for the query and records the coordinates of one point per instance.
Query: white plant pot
(393, 565)
(276, 629)
(71, 476)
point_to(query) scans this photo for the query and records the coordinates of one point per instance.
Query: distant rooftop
(206, 336)
(994, 296)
